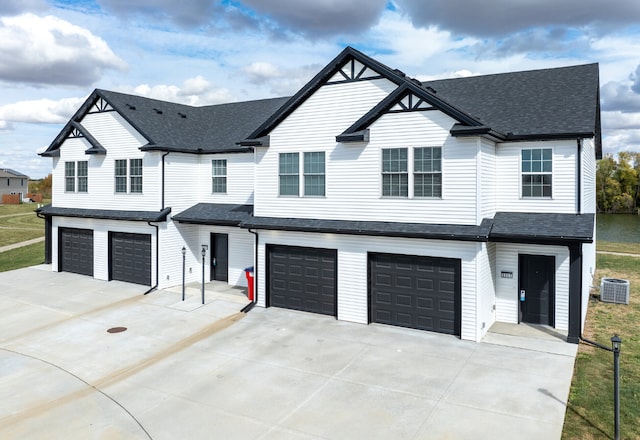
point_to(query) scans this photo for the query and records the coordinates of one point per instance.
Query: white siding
(181, 181)
(487, 172)
(313, 127)
(353, 272)
(101, 229)
(486, 287)
(192, 237)
(353, 170)
(121, 142)
(588, 183)
(564, 178)
(240, 170)
(507, 288)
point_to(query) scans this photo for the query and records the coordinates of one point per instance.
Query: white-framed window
(395, 174)
(537, 172)
(121, 175)
(289, 174)
(70, 177)
(128, 175)
(219, 176)
(427, 172)
(83, 176)
(314, 173)
(135, 175)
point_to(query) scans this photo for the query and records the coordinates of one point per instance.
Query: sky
(54, 53)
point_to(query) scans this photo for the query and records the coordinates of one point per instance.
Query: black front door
(219, 257)
(537, 289)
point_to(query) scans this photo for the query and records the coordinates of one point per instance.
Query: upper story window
(395, 175)
(427, 172)
(134, 173)
(70, 176)
(289, 174)
(314, 174)
(537, 168)
(83, 176)
(75, 176)
(219, 176)
(121, 175)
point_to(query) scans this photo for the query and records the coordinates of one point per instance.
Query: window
(121, 176)
(83, 174)
(219, 173)
(427, 172)
(70, 176)
(314, 178)
(135, 175)
(395, 178)
(289, 172)
(536, 172)
(135, 172)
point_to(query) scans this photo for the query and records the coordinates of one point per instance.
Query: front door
(219, 257)
(537, 289)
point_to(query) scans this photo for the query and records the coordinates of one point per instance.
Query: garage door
(302, 279)
(416, 292)
(130, 257)
(75, 250)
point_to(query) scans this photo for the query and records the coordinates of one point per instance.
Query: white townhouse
(369, 196)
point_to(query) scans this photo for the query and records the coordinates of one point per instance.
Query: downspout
(162, 183)
(157, 258)
(158, 232)
(579, 177)
(252, 304)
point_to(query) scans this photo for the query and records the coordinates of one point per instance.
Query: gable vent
(157, 110)
(614, 290)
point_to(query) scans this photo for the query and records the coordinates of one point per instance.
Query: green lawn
(22, 257)
(590, 408)
(627, 248)
(19, 223)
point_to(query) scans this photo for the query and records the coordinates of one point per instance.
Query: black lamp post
(615, 346)
(184, 257)
(204, 252)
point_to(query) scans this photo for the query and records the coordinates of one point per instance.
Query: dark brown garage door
(75, 251)
(302, 279)
(130, 257)
(416, 292)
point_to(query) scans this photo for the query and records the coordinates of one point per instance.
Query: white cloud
(47, 50)
(260, 72)
(195, 91)
(41, 111)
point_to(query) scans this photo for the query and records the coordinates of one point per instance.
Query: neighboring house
(13, 182)
(369, 196)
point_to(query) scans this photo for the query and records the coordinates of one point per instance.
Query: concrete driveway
(186, 371)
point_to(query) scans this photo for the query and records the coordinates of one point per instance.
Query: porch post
(575, 293)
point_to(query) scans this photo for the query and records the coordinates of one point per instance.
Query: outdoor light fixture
(184, 256)
(204, 252)
(615, 346)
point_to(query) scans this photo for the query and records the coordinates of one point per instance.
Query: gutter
(252, 304)
(155, 287)
(162, 183)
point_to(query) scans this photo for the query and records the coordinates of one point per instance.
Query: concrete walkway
(622, 254)
(21, 244)
(187, 370)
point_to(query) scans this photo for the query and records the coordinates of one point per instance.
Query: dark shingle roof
(8, 172)
(539, 227)
(213, 128)
(386, 229)
(554, 101)
(168, 126)
(108, 214)
(215, 214)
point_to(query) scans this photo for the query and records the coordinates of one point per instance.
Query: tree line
(618, 183)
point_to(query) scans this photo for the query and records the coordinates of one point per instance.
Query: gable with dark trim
(408, 89)
(331, 69)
